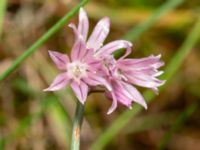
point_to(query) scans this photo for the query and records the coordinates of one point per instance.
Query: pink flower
(93, 63)
(80, 72)
(142, 72)
(98, 36)
(123, 74)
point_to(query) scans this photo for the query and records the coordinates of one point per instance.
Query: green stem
(2, 13)
(76, 129)
(42, 40)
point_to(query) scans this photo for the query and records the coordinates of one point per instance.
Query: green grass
(2, 13)
(161, 11)
(177, 124)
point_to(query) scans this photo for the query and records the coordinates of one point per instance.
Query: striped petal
(83, 24)
(137, 97)
(75, 30)
(81, 90)
(78, 50)
(151, 61)
(59, 82)
(99, 34)
(59, 59)
(111, 47)
(94, 80)
(114, 103)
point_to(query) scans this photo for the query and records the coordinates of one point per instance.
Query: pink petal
(99, 34)
(118, 88)
(94, 80)
(158, 73)
(123, 96)
(78, 50)
(137, 97)
(155, 90)
(123, 99)
(88, 55)
(80, 90)
(151, 61)
(83, 24)
(140, 71)
(59, 82)
(114, 103)
(75, 30)
(94, 64)
(145, 81)
(111, 47)
(59, 59)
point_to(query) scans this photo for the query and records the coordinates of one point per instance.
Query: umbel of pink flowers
(92, 64)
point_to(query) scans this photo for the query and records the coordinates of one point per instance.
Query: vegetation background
(33, 120)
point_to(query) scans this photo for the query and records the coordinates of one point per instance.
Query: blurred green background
(33, 120)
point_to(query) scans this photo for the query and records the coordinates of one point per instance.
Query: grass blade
(42, 40)
(2, 13)
(170, 70)
(177, 124)
(134, 33)
(181, 119)
(161, 11)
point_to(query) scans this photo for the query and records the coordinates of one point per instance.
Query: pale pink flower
(123, 74)
(96, 39)
(80, 72)
(93, 63)
(142, 72)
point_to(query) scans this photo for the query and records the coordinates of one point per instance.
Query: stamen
(76, 70)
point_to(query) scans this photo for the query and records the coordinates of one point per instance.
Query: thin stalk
(42, 40)
(76, 129)
(2, 13)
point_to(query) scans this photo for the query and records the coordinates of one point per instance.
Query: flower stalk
(76, 129)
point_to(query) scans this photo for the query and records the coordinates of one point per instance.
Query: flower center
(76, 70)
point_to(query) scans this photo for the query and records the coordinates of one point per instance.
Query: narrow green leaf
(42, 40)
(2, 13)
(135, 32)
(170, 70)
(161, 11)
(149, 121)
(181, 119)
(58, 118)
(177, 124)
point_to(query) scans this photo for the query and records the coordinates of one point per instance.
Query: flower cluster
(92, 64)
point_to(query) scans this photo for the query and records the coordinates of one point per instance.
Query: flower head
(79, 72)
(124, 74)
(91, 63)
